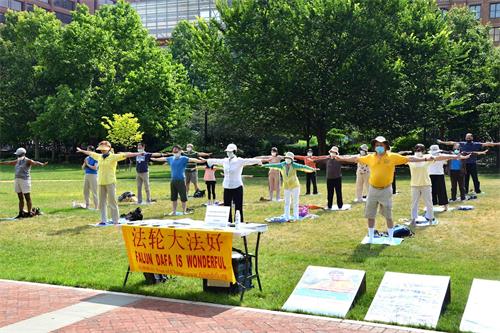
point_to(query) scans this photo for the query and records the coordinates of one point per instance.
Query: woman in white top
(233, 184)
(436, 172)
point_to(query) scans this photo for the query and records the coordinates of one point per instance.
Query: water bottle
(237, 219)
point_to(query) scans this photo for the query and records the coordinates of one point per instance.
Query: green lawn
(60, 248)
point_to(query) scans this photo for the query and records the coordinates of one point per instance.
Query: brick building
(487, 11)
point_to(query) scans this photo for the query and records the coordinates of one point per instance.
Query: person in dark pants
(471, 146)
(310, 161)
(436, 173)
(233, 184)
(457, 175)
(333, 178)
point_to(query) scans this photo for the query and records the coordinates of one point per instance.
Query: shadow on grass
(70, 231)
(365, 251)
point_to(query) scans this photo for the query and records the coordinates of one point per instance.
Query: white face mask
(273, 153)
(333, 154)
(309, 154)
(177, 155)
(288, 161)
(230, 154)
(362, 152)
(435, 153)
(419, 154)
(140, 150)
(189, 149)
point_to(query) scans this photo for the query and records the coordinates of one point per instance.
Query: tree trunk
(53, 156)
(321, 135)
(36, 142)
(206, 128)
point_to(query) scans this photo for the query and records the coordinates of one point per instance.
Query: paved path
(38, 308)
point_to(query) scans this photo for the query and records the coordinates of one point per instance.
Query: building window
(66, 4)
(64, 18)
(476, 10)
(15, 5)
(4, 3)
(28, 7)
(495, 10)
(495, 34)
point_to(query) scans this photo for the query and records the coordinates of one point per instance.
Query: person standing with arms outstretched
(106, 178)
(22, 180)
(310, 161)
(191, 173)
(274, 174)
(233, 184)
(178, 165)
(382, 165)
(471, 146)
(142, 168)
(291, 185)
(362, 175)
(90, 180)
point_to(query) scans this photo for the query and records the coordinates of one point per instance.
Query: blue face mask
(380, 150)
(456, 151)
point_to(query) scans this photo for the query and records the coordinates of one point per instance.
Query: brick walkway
(32, 305)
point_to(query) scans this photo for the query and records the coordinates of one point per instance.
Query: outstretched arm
(36, 163)
(195, 160)
(303, 168)
(86, 152)
(160, 159)
(484, 152)
(251, 161)
(9, 162)
(204, 154)
(447, 143)
(347, 158)
(490, 144)
(446, 157)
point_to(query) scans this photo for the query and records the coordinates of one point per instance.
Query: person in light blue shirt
(178, 165)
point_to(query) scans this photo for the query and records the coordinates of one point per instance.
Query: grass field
(60, 248)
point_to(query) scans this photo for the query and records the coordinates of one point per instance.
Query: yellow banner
(188, 252)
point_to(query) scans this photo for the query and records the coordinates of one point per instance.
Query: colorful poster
(188, 252)
(410, 299)
(326, 290)
(481, 313)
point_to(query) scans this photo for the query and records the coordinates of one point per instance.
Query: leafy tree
(123, 129)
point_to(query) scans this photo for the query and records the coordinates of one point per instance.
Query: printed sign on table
(217, 215)
(482, 310)
(327, 291)
(188, 252)
(410, 299)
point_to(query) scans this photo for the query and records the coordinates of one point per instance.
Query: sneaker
(102, 223)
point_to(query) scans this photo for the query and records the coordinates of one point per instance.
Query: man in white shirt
(233, 184)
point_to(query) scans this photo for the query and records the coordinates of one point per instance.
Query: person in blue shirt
(142, 168)
(471, 146)
(178, 165)
(90, 180)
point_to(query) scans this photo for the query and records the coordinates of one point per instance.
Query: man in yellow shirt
(421, 185)
(382, 165)
(106, 178)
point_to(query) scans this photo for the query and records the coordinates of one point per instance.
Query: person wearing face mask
(471, 146)
(333, 178)
(457, 175)
(106, 178)
(382, 165)
(436, 172)
(274, 174)
(291, 185)
(22, 180)
(90, 180)
(362, 175)
(310, 161)
(178, 164)
(232, 183)
(142, 168)
(191, 173)
(421, 184)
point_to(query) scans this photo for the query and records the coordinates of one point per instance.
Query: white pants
(361, 185)
(294, 192)
(424, 192)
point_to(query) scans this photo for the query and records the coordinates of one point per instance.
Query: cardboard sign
(410, 299)
(481, 313)
(217, 215)
(327, 291)
(188, 252)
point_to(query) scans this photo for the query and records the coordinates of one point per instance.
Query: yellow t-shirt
(106, 172)
(420, 173)
(382, 167)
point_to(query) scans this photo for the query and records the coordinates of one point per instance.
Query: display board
(483, 308)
